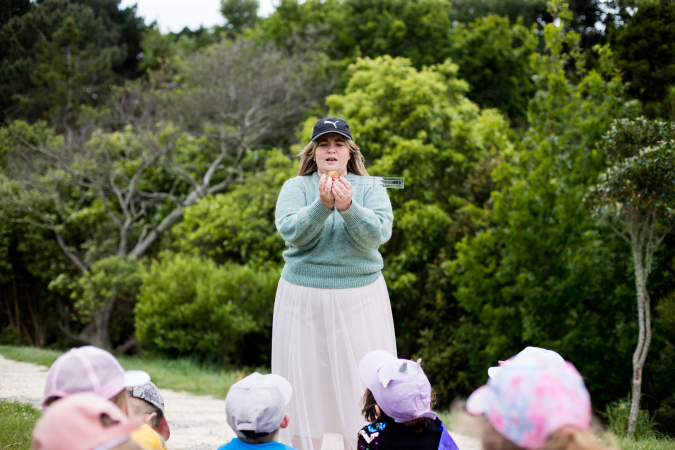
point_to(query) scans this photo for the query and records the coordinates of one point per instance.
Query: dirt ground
(197, 422)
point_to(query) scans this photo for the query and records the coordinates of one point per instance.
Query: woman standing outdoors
(332, 305)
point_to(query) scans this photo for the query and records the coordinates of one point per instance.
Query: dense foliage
(139, 173)
(187, 305)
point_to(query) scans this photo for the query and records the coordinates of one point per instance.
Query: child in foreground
(256, 410)
(533, 404)
(84, 422)
(146, 405)
(94, 370)
(398, 402)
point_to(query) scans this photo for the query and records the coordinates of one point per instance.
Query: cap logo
(332, 123)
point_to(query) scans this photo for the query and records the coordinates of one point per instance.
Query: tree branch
(71, 335)
(74, 259)
(617, 232)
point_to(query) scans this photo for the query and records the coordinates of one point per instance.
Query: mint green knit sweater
(328, 249)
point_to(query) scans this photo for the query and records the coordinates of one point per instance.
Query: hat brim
(134, 378)
(314, 138)
(163, 429)
(371, 363)
(476, 404)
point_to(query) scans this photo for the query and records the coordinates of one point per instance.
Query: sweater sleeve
(369, 225)
(299, 224)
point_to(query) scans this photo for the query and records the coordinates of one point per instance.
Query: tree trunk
(102, 321)
(17, 316)
(9, 310)
(642, 263)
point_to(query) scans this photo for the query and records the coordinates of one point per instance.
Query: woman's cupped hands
(335, 192)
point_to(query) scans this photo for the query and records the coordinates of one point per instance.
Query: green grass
(30, 354)
(16, 424)
(185, 375)
(651, 443)
(447, 418)
(176, 374)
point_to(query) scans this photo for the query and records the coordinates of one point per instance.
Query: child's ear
(284, 423)
(148, 418)
(378, 411)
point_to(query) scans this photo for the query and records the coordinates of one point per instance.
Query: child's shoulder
(238, 444)
(371, 432)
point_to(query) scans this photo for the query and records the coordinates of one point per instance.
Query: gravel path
(197, 422)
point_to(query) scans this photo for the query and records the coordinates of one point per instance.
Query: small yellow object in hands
(332, 174)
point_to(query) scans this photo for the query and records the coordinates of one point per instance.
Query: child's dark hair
(414, 426)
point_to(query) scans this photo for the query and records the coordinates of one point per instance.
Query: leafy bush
(616, 415)
(189, 305)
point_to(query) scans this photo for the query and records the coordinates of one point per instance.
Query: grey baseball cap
(148, 392)
(256, 405)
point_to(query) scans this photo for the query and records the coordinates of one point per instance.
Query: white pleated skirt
(318, 338)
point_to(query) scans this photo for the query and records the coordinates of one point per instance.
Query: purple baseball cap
(532, 398)
(89, 369)
(400, 386)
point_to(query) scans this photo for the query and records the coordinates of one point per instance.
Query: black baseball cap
(331, 124)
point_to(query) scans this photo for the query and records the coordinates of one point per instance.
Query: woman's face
(332, 153)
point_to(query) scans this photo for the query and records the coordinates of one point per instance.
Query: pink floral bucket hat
(531, 399)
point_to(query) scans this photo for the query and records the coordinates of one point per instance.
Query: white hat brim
(371, 363)
(133, 378)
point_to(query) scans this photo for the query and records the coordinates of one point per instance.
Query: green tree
(160, 50)
(586, 15)
(239, 14)
(494, 58)
(101, 24)
(419, 124)
(123, 179)
(69, 75)
(29, 261)
(417, 30)
(14, 8)
(537, 271)
(645, 49)
(638, 187)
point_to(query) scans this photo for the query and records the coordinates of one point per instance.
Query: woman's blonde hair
(356, 165)
(566, 438)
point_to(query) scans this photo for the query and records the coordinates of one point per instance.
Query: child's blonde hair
(121, 399)
(566, 438)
